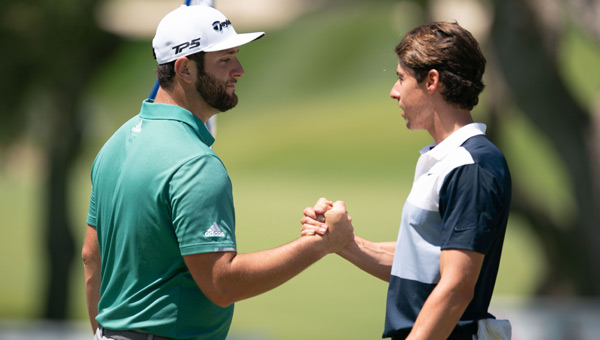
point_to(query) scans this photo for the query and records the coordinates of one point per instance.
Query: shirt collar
(456, 139)
(159, 111)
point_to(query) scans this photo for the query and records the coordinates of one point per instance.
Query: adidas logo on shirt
(214, 231)
(138, 127)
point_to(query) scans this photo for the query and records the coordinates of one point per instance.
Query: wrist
(317, 244)
(350, 248)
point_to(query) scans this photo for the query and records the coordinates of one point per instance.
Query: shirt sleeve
(92, 217)
(471, 209)
(202, 206)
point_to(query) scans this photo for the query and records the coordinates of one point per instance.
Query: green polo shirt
(158, 193)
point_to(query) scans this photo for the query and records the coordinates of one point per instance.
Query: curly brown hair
(453, 52)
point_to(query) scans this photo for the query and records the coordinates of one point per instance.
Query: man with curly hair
(442, 268)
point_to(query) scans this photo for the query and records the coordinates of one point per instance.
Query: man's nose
(394, 94)
(238, 70)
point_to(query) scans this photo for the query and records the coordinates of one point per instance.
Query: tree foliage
(525, 37)
(52, 49)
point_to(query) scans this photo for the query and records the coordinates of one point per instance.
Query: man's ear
(185, 70)
(432, 81)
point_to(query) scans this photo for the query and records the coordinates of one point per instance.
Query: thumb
(322, 205)
(336, 213)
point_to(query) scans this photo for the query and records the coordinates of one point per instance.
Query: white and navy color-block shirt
(460, 199)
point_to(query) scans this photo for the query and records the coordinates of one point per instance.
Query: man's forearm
(229, 277)
(448, 301)
(91, 269)
(264, 270)
(92, 296)
(440, 314)
(237, 277)
(375, 258)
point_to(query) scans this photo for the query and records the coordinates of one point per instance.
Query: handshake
(330, 221)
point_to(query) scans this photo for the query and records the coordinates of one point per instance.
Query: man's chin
(225, 107)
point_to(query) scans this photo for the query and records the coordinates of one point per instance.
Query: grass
(20, 246)
(314, 120)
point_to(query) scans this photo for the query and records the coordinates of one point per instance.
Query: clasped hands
(329, 220)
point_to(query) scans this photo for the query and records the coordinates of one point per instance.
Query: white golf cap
(192, 29)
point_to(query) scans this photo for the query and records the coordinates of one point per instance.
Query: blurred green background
(315, 119)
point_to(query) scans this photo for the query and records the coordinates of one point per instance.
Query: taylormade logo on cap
(218, 26)
(192, 29)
